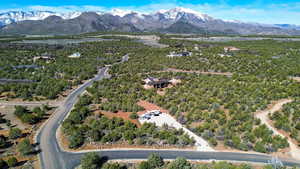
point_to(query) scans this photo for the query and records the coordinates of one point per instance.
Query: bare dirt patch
(150, 106)
(296, 79)
(8, 112)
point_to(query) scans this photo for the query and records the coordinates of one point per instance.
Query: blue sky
(262, 11)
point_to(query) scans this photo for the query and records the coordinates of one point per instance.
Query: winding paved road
(53, 157)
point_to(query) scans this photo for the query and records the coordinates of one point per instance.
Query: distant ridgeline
(177, 20)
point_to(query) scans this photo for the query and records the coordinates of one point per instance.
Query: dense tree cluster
(115, 130)
(50, 79)
(218, 108)
(224, 108)
(154, 161)
(120, 93)
(262, 58)
(30, 116)
(102, 129)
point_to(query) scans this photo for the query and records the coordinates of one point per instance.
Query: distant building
(231, 49)
(45, 56)
(180, 54)
(75, 55)
(161, 83)
(157, 83)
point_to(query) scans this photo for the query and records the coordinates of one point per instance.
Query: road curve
(53, 157)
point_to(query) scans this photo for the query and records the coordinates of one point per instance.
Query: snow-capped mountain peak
(172, 14)
(234, 21)
(70, 15)
(120, 12)
(16, 16)
(177, 12)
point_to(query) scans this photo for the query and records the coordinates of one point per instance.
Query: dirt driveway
(166, 118)
(264, 117)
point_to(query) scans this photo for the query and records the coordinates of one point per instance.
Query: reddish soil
(125, 115)
(149, 106)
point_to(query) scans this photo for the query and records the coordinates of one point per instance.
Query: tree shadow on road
(103, 160)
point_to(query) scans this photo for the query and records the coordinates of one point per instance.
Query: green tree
(179, 163)
(95, 134)
(76, 140)
(29, 118)
(268, 167)
(12, 162)
(155, 161)
(20, 110)
(91, 161)
(36, 110)
(113, 166)
(40, 113)
(129, 135)
(134, 115)
(15, 133)
(259, 147)
(144, 165)
(24, 147)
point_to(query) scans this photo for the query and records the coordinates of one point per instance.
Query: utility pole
(276, 163)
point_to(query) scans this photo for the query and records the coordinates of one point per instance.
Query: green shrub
(12, 162)
(91, 161)
(24, 147)
(134, 115)
(15, 133)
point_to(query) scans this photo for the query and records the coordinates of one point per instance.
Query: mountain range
(177, 20)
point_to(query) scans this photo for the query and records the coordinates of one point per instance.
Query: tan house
(231, 49)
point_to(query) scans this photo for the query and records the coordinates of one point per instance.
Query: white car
(155, 112)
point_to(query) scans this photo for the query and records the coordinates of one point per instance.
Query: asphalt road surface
(52, 157)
